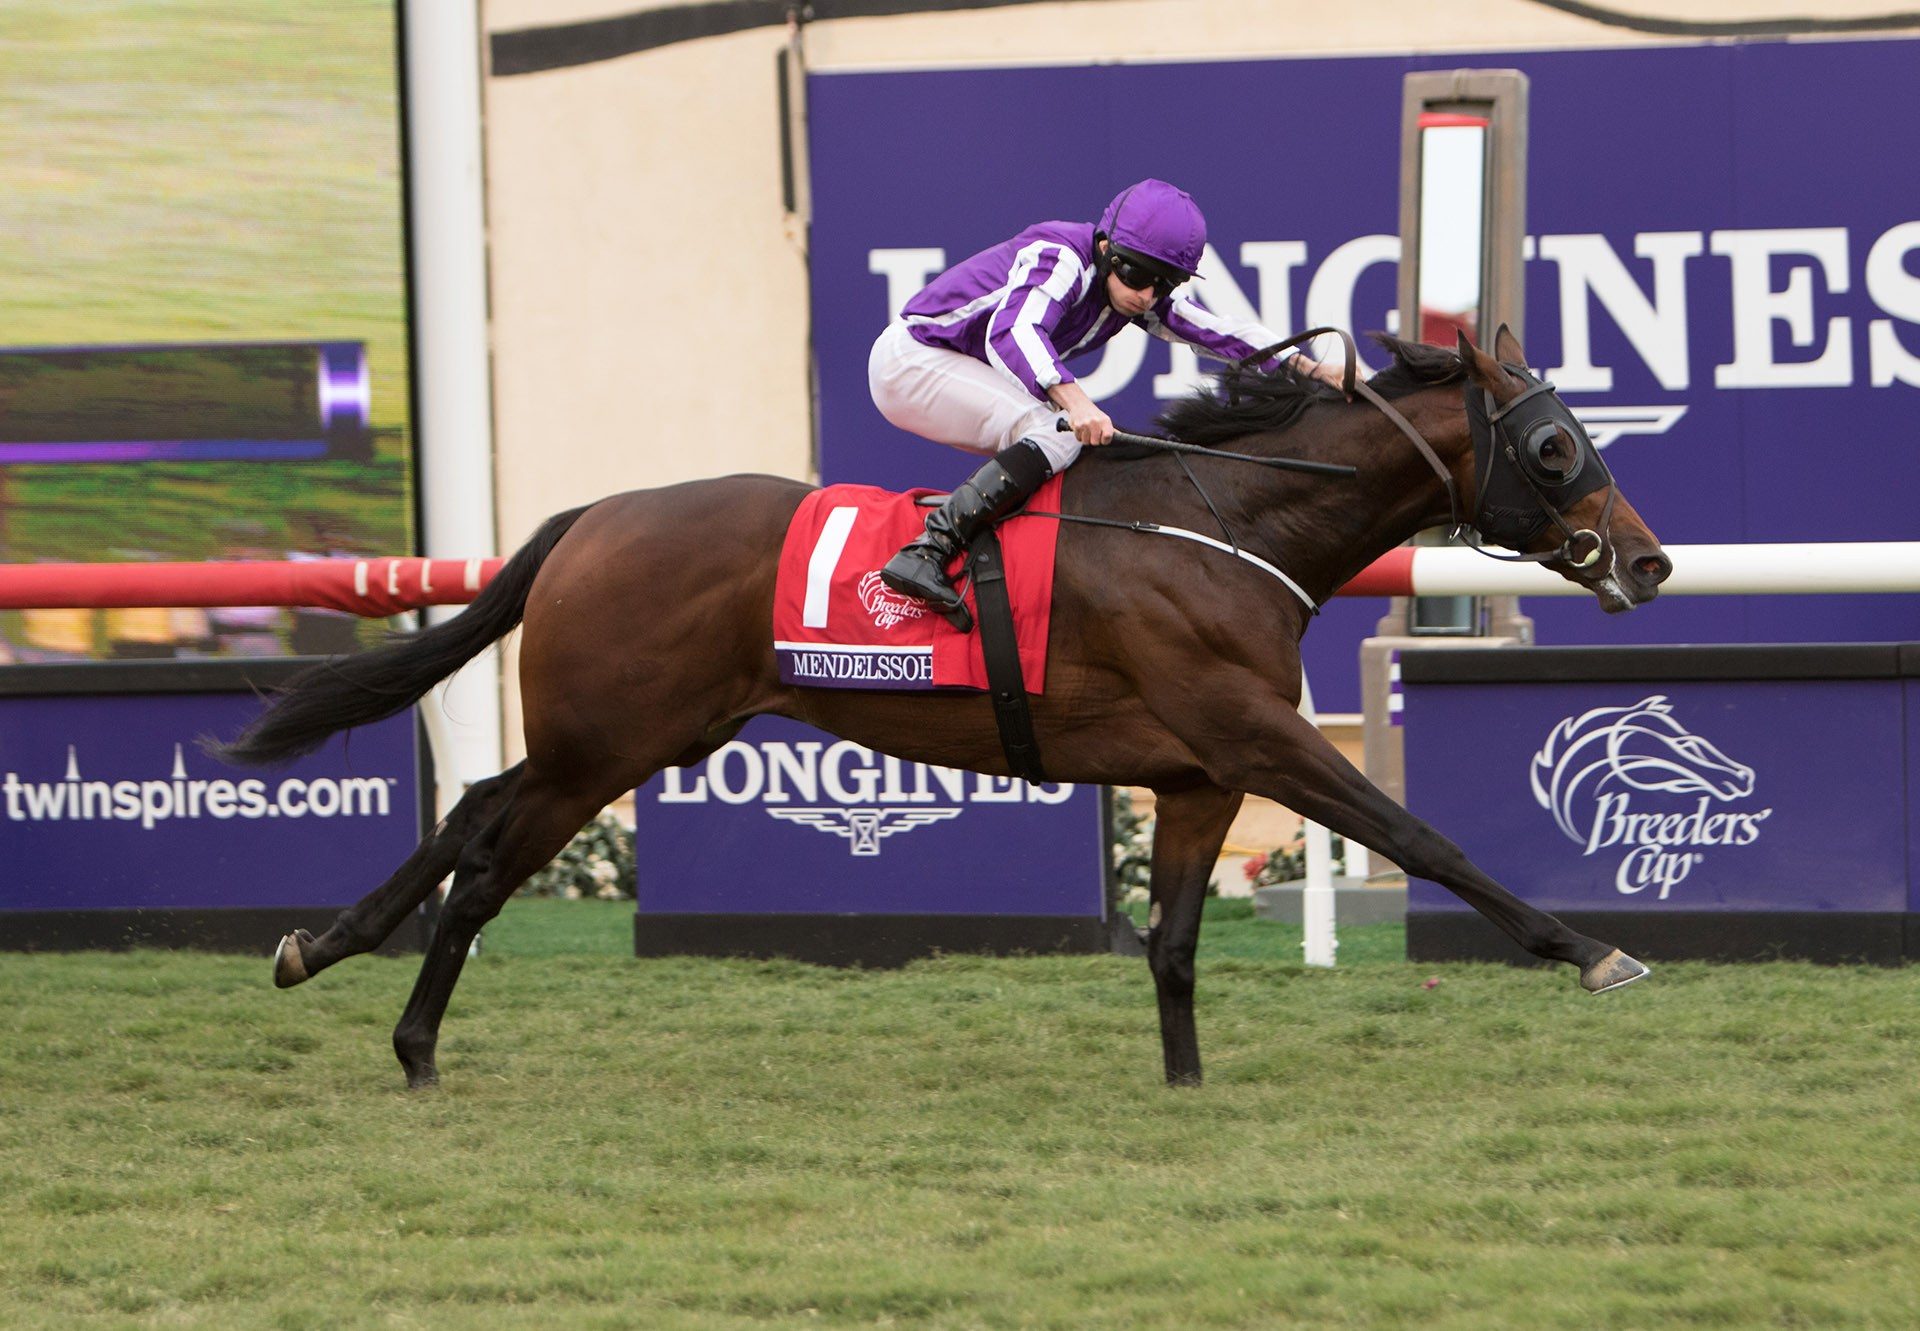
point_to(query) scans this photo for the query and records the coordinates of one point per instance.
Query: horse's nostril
(1653, 568)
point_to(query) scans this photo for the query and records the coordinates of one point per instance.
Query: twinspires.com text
(151, 802)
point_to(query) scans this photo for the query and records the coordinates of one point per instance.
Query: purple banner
(788, 820)
(1722, 285)
(1683, 796)
(106, 803)
(1912, 696)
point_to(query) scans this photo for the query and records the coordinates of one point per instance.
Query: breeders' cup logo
(1594, 766)
(886, 606)
(873, 797)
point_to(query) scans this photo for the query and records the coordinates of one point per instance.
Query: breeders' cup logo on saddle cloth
(875, 796)
(886, 606)
(1594, 766)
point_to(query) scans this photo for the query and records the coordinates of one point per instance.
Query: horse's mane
(1251, 401)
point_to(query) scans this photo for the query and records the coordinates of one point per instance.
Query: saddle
(836, 625)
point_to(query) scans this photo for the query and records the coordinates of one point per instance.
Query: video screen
(203, 327)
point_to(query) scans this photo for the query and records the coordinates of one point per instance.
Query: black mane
(1249, 401)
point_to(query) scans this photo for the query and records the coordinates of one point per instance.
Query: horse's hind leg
(366, 924)
(1188, 829)
(537, 822)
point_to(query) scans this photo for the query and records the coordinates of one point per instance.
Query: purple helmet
(1156, 221)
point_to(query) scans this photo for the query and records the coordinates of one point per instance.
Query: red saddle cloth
(837, 626)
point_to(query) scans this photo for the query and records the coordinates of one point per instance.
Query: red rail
(370, 587)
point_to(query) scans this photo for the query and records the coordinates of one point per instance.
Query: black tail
(355, 690)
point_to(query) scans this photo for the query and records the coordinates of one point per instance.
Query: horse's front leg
(1189, 825)
(1293, 763)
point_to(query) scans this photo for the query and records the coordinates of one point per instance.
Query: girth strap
(1001, 650)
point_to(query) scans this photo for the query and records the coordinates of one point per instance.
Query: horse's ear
(1506, 347)
(1480, 367)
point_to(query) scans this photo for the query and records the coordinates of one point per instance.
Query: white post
(1316, 894)
(452, 369)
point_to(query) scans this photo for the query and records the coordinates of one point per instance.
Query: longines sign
(786, 820)
(1723, 285)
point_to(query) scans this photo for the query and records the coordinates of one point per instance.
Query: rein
(1461, 527)
(1351, 384)
(1175, 446)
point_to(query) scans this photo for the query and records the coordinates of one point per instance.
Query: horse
(645, 644)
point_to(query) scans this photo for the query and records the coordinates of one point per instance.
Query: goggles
(1137, 274)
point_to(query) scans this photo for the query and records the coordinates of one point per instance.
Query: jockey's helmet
(1159, 223)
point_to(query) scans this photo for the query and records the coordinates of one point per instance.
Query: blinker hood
(1515, 491)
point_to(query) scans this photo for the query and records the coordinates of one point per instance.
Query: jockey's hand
(1325, 371)
(1090, 425)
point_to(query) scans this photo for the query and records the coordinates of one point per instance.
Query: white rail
(1698, 570)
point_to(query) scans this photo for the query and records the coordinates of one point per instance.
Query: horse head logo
(1640, 747)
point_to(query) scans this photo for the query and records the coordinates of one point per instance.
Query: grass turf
(961, 1143)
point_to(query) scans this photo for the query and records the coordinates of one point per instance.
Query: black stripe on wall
(531, 50)
(1775, 27)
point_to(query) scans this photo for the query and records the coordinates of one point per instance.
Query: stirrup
(955, 613)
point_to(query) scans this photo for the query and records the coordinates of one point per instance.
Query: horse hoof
(424, 1080)
(289, 967)
(1611, 972)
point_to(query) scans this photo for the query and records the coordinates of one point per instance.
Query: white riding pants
(954, 399)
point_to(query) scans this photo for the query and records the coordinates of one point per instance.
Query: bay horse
(647, 643)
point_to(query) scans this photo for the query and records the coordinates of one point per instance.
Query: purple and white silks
(1031, 303)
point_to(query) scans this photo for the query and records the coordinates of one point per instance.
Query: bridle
(1517, 451)
(1520, 453)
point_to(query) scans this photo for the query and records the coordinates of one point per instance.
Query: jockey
(975, 359)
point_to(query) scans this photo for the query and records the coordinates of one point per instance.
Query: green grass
(961, 1143)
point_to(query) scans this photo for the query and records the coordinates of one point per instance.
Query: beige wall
(649, 293)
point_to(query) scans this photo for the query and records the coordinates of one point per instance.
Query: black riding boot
(993, 492)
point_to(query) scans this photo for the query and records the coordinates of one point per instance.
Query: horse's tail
(355, 690)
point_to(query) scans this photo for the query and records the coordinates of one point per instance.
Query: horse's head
(1539, 485)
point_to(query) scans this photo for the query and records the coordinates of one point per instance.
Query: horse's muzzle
(1645, 573)
(1632, 581)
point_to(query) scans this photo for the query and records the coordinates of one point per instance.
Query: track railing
(378, 587)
